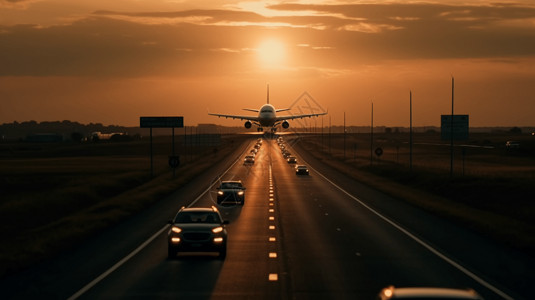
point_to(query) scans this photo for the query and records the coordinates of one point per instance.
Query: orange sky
(111, 62)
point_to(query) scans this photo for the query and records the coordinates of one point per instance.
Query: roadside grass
(52, 203)
(493, 195)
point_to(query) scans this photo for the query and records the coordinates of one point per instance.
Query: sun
(271, 53)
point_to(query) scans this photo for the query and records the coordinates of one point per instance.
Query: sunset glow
(112, 61)
(271, 53)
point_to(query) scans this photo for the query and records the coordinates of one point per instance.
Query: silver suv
(197, 229)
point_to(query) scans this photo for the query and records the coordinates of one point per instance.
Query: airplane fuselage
(267, 115)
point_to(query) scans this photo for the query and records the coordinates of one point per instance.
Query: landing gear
(260, 129)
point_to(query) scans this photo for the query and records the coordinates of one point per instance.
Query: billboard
(161, 122)
(459, 126)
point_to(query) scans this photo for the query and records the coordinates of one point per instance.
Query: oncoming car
(231, 191)
(249, 159)
(301, 169)
(197, 230)
(430, 293)
(512, 145)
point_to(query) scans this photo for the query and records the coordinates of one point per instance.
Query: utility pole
(344, 135)
(451, 127)
(371, 139)
(322, 137)
(410, 131)
(330, 134)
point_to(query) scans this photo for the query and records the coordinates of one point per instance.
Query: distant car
(512, 145)
(231, 191)
(301, 170)
(292, 159)
(249, 159)
(197, 230)
(427, 293)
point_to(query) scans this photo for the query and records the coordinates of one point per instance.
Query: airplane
(267, 116)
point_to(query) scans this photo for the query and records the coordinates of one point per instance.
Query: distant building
(114, 136)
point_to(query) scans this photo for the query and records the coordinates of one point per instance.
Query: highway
(320, 236)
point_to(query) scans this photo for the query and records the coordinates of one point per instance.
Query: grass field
(54, 195)
(490, 190)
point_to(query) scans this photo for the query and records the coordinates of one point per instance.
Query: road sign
(174, 161)
(460, 127)
(161, 122)
(379, 151)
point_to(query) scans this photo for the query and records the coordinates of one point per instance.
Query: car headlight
(175, 240)
(217, 229)
(176, 229)
(240, 193)
(220, 193)
(218, 240)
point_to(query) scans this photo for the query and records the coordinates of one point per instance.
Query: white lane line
(117, 265)
(425, 245)
(121, 262)
(272, 276)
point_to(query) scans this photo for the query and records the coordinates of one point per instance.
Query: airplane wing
(253, 119)
(292, 117)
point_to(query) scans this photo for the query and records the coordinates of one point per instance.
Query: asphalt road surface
(320, 236)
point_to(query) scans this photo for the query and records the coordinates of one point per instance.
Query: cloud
(12, 2)
(218, 42)
(17, 4)
(199, 17)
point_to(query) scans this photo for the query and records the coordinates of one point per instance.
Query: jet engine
(248, 124)
(285, 124)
